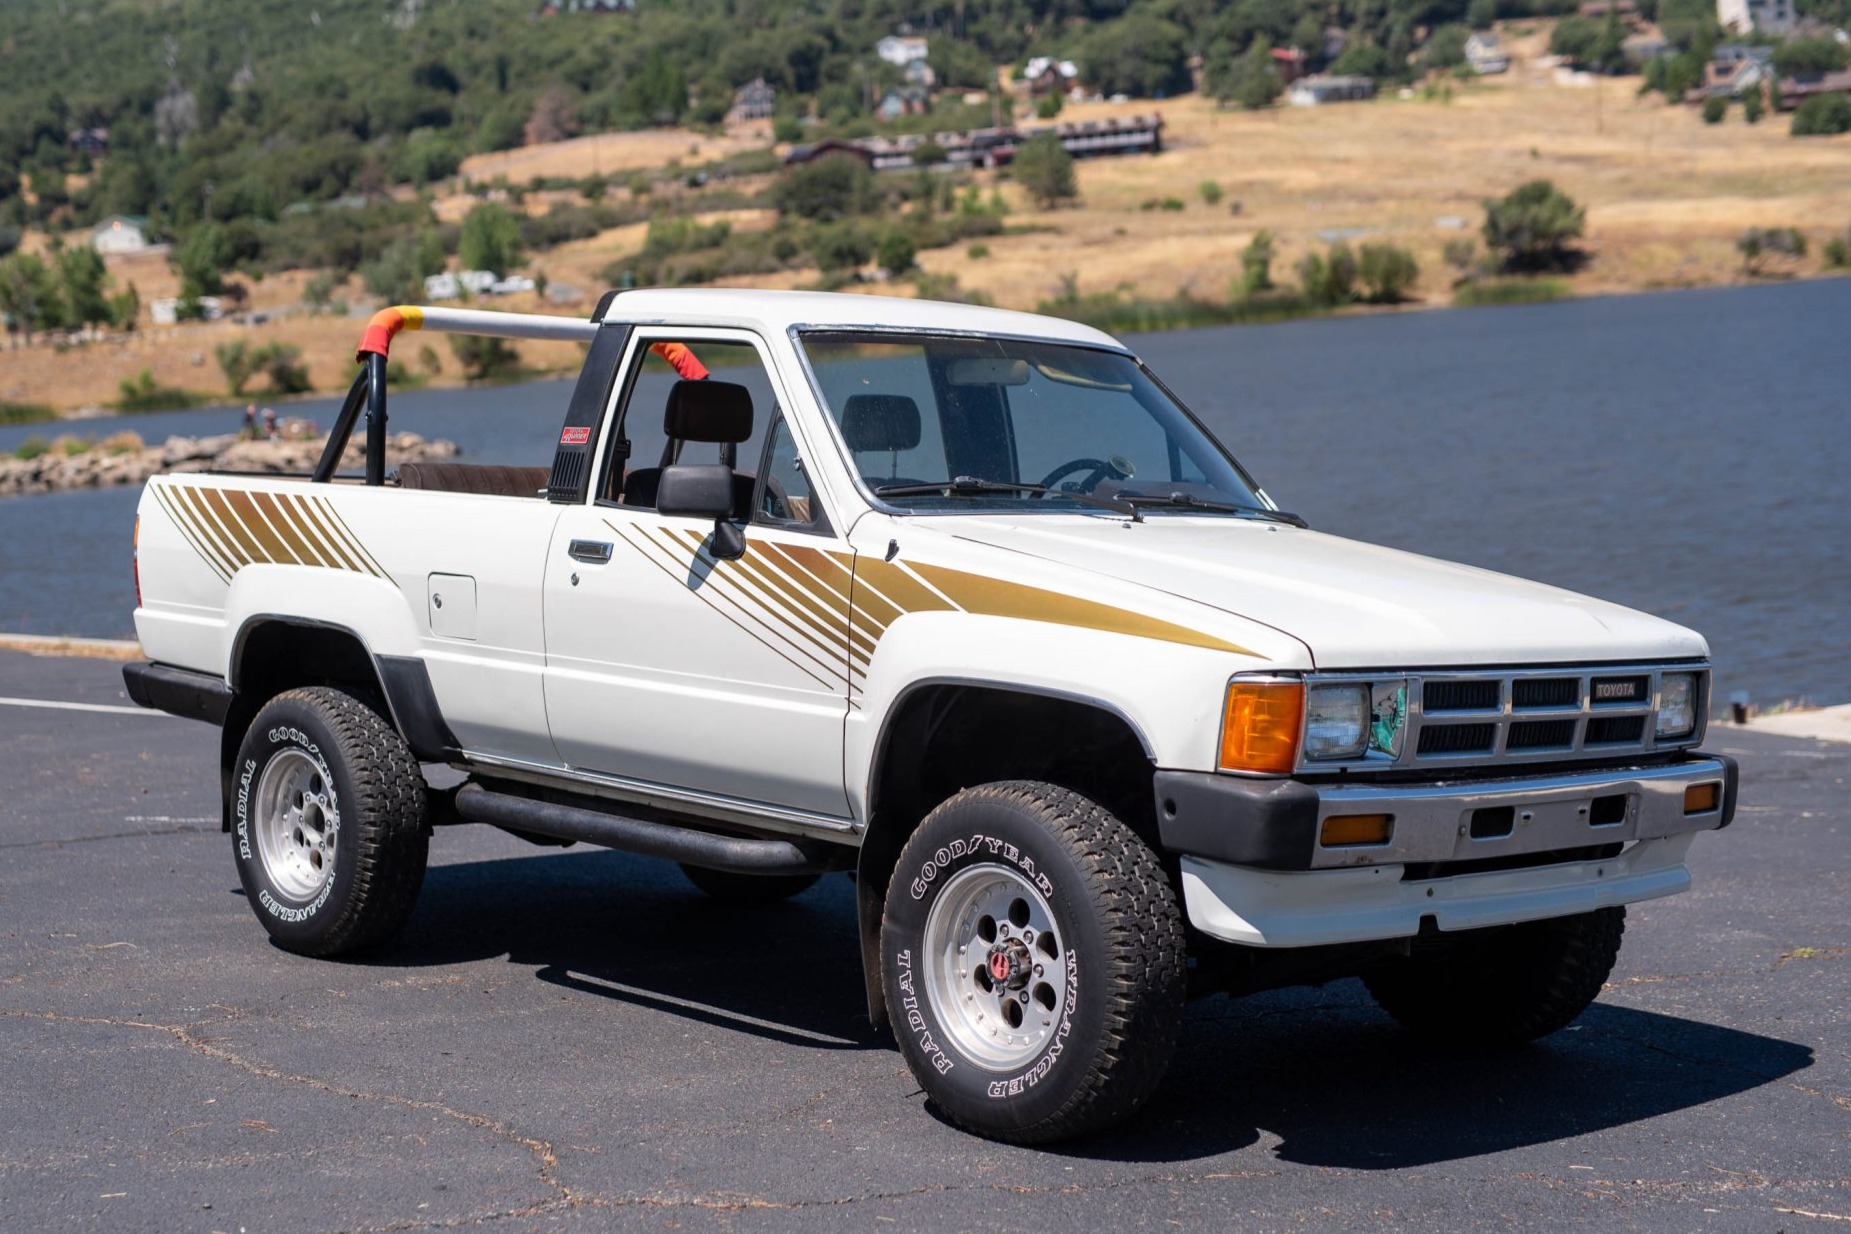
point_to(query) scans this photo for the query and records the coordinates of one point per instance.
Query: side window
(643, 420)
(785, 497)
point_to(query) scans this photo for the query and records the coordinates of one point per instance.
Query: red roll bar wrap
(386, 323)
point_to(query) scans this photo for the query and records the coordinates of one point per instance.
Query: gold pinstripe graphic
(233, 528)
(825, 612)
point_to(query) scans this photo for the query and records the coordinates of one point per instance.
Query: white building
(1756, 16)
(1484, 55)
(901, 50)
(120, 233)
(1318, 89)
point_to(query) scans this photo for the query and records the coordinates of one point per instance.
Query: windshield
(918, 411)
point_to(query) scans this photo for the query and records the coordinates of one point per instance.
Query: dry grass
(1666, 197)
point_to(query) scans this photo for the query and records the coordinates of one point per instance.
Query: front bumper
(1275, 824)
(1254, 872)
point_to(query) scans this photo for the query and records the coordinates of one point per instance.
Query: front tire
(1503, 986)
(328, 823)
(1032, 956)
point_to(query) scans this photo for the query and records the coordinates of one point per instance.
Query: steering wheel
(1100, 469)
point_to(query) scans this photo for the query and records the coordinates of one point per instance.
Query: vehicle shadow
(1322, 1070)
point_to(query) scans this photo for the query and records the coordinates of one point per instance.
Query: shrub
(282, 364)
(491, 239)
(1210, 192)
(786, 128)
(1044, 168)
(1761, 246)
(235, 361)
(1479, 294)
(1256, 264)
(977, 252)
(833, 187)
(31, 448)
(896, 252)
(1822, 115)
(1752, 109)
(1049, 106)
(1387, 273)
(1714, 109)
(1329, 280)
(1837, 251)
(1531, 228)
(840, 247)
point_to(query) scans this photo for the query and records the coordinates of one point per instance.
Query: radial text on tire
(1032, 956)
(328, 823)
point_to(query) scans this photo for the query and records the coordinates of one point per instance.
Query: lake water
(1685, 453)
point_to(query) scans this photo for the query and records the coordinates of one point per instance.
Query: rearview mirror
(703, 490)
(987, 371)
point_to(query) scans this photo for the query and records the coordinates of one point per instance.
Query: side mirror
(703, 490)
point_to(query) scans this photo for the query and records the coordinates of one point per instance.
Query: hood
(1354, 605)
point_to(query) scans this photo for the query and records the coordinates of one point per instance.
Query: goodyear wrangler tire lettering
(329, 823)
(1032, 953)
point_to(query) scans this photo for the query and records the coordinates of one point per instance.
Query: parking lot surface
(579, 1040)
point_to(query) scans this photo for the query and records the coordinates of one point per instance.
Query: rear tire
(748, 890)
(328, 823)
(1032, 956)
(1504, 986)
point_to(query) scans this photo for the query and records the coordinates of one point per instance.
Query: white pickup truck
(963, 602)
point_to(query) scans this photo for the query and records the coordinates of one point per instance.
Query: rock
(59, 471)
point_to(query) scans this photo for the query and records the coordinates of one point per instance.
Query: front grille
(1540, 735)
(1458, 738)
(1459, 696)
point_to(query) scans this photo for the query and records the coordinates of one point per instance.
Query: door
(665, 666)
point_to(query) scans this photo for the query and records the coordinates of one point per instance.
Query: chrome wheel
(297, 823)
(995, 967)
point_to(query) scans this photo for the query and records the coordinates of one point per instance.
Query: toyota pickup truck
(966, 604)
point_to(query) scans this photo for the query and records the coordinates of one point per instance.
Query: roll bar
(369, 387)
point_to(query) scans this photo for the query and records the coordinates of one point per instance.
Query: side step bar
(736, 854)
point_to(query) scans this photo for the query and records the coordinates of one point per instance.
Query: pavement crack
(188, 1036)
(114, 835)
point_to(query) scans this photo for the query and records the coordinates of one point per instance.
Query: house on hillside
(1484, 55)
(755, 100)
(901, 50)
(906, 101)
(93, 142)
(1046, 75)
(120, 233)
(1736, 69)
(1322, 88)
(1757, 16)
(1796, 90)
(1289, 63)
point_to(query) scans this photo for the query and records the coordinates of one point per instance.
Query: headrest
(880, 422)
(708, 411)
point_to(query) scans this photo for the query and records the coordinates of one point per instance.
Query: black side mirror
(703, 490)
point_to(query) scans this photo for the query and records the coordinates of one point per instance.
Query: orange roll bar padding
(385, 323)
(684, 360)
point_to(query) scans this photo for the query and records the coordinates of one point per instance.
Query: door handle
(591, 552)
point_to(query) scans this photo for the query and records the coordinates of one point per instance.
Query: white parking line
(55, 705)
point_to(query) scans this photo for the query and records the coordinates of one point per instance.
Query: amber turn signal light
(1351, 830)
(1702, 798)
(1259, 726)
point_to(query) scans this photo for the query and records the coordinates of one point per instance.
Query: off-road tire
(1505, 986)
(380, 836)
(1120, 940)
(748, 890)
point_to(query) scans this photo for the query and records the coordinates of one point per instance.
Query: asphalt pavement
(579, 1040)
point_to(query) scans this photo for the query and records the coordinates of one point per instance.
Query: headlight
(1677, 706)
(1336, 721)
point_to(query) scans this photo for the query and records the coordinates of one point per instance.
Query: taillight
(135, 561)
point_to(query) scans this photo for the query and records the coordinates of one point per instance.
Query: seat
(875, 422)
(710, 411)
(488, 480)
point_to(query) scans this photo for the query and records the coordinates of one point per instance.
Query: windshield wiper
(972, 486)
(1190, 501)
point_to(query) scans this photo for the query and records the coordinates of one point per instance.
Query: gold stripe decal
(824, 611)
(234, 528)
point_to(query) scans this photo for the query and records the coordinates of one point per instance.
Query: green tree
(491, 240)
(1533, 227)
(397, 274)
(1798, 57)
(1252, 80)
(1387, 273)
(1752, 109)
(85, 284)
(832, 187)
(28, 294)
(202, 259)
(238, 364)
(282, 364)
(896, 252)
(1328, 280)
(1043, 167)
(1140, 54)
(1256, 264)
(841, 246)
(1822, 115)
(1714, 109)
(1446, 47)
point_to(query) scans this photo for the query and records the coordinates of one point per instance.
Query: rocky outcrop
(70, 463)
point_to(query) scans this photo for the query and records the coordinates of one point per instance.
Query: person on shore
(249, 431)
(270, 429)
